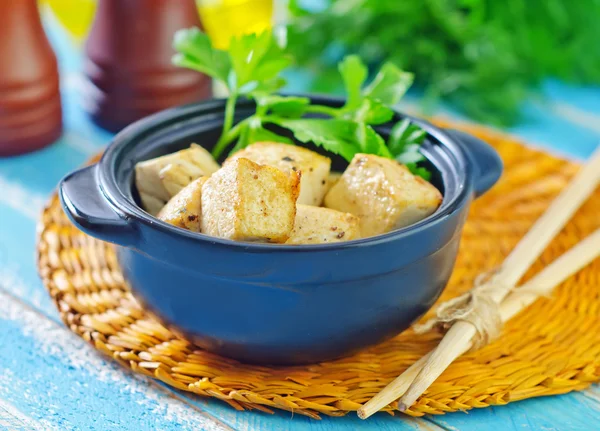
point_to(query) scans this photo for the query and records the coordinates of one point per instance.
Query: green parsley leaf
(354, 73)
(270, 67)
(195, 51)
(371, 106)
(246, 53)
(265, 135)
(485, 58)
(419, 171)
(372, 112)
(343, 137)
(370, 141)
(287, 106)
(252, 67)
(410, 155)
(336, 136)
(243, 139)
(404, 133)
(389, 85)
(404, 144)
(256, 59)
(253, 131)
(268, 86)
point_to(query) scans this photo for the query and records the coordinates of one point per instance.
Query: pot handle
(87, 207)
(486, 163)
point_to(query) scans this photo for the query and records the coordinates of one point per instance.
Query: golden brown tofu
(289, 158)
(185, 208)
(245, 201)
(151, 204)
(317, 225)
(175, 176)
(383, 194)
(158, 180)
(332, 179)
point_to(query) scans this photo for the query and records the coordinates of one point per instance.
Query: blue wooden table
(52, 380)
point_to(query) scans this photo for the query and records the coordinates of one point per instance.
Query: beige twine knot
(477, 306)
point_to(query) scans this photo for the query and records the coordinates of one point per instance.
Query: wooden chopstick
(553, 275)
(417, 378)
(542, 284)
(550, 223)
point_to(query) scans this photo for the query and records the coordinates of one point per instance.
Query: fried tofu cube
(151, 204)
(245, 201)
(175, 176)
(332, 179)
(318, 225)
(289, 158)
(185, 208)
(383, 194)
(158, 180)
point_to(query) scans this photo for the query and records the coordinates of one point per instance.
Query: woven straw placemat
(551, 348)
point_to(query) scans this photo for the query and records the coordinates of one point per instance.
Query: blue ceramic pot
(267, 303)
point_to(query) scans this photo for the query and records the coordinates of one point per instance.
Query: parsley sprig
(482, 57)
(252, 67)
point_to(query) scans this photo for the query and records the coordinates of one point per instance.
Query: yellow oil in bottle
(223, 19)
(75, 16)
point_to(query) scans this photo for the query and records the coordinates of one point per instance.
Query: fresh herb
(404, 143)
(484, 57)
(252, 65)
(251, 68)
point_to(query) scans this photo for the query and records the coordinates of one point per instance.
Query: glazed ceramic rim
(107, 167)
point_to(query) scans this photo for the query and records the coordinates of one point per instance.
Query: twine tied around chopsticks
(477, 306)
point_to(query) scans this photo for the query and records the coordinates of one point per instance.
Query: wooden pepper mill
(128, 64)
(30, 111)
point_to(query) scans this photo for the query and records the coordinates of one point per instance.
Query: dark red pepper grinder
(30, 111)
(128, 63)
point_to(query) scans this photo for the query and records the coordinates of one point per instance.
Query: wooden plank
(20, 208)
(577, 116)
(21, 203)
(545, 127)
(592, 396)
(12, 419)
(556, 133)
(54, 350)
(583, 98)
(38, 173)
(251, 421)
(556, 413)
(21, 233)
(20, 215)
(19, 278)
(18, 272)
(51, 377)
